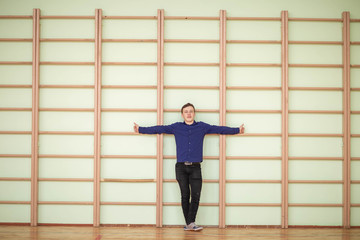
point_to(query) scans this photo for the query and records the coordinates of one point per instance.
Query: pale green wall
(203, 99)
(254, 8)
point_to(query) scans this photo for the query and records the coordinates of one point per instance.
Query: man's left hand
(242, 129)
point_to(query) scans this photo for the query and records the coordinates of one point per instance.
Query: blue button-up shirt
(189, 138)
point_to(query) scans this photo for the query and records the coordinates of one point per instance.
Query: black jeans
(190, 183)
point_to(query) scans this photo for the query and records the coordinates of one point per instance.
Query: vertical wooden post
(97, 118)
(346, 120)
(160, 118)
(35, 118)
(222, 87)
(284, 117)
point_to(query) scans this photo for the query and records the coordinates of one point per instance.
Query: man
(189, 138)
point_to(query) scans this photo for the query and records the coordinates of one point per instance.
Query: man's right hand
(136, 128)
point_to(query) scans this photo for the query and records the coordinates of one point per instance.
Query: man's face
(188, 114)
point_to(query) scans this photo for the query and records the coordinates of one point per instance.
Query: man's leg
(182, 178)
(196, 185)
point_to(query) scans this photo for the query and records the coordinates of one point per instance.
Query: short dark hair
(187, 105)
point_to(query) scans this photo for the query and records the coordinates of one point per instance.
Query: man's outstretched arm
(154, 129)
(225, 130)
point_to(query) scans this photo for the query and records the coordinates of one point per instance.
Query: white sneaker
(192, 227)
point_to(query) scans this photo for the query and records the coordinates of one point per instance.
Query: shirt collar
(191, 124)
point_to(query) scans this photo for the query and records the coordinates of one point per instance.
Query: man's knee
(195, 196)
(185, 197)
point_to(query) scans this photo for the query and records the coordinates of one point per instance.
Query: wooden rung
(254, 41)
(252, 111)
(314, 205)
(256, 135)
(315, 89)
(67, 17)
(131, 63)
(190, 18)
(211, 181)
(316, 19)
(129, 86)
(15, 132)
(253, 158)
(129, 203)
(314, 135)
(64, 156)
(15, 17)
(64, 203)
(253, 64)
(66, 86)
(15, 155)
(15, 202)
(65, 63)
(130, 156)
(253, 204)
(316, 112)
(67, 40)
(192, 87)
(315, 182)
(16, 109)
(252, 88)
(66, 179)
(15, 86)
(16, 40)
(317, 42)
(190, 41)
(127, 110)
(316, 65)
(129, 40)
(128, 180)
(317, 158)
(190, 64)
(15, 63)
(130, 17)
(253, 18)
(65, 133)
(66, 109)
(119, 133)
(11, 179)
(209, 204)
(253, 181)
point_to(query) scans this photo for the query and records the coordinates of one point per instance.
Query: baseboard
(166, 226)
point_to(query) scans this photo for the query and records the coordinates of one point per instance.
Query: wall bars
(95, 184)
